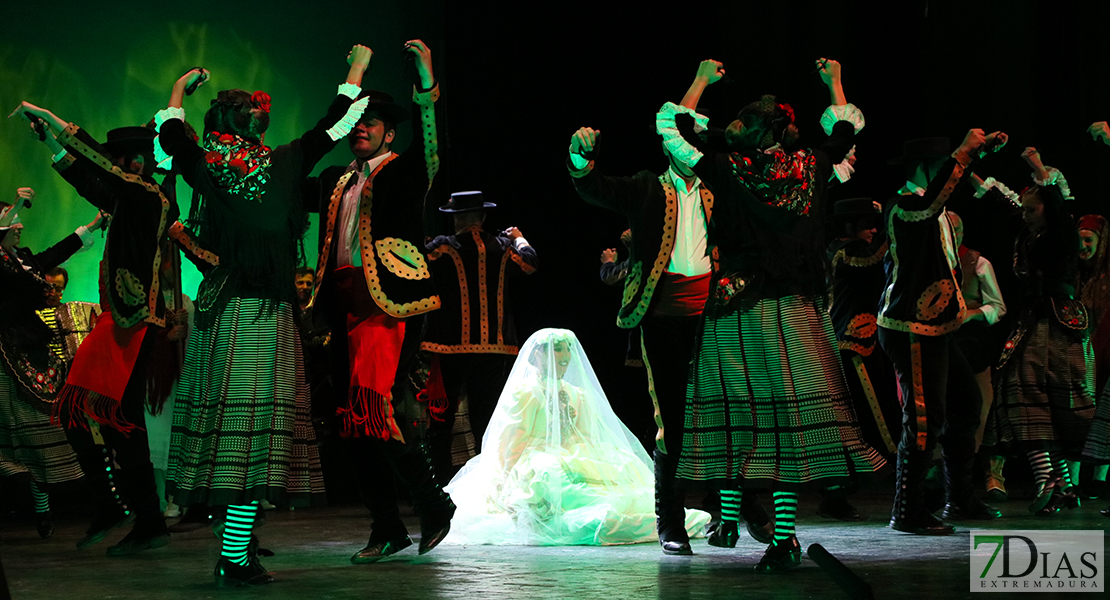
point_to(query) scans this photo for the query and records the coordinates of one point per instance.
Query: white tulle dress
(557, 465)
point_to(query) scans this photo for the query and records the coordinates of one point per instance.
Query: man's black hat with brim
(466, 202)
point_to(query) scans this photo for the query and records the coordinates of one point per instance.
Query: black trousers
(941, 402)
(483, 376)
(879, 374)
(668, 349)
(135, 479)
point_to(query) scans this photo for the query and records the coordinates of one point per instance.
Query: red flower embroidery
(261, 100)
(213, 157)
(227, 139)
(239, 165)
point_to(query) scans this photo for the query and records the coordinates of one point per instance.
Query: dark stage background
(519, 78)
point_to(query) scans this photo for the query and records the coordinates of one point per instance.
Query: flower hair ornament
(261, 100)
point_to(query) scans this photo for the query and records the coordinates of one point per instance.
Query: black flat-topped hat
(853, 210)
(129, 140)
(465, 202)
(923, 149)
(383, 104)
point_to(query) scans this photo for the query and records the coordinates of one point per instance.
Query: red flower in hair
(261, 100)
(239, 165)
(789, 110)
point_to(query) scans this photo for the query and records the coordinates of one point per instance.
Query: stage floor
(313, 549)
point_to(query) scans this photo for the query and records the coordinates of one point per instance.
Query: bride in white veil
(557, 465)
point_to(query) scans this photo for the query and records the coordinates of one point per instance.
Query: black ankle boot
(432, 504)
(229, 574)
(670, 510)
(909, 514)
(724, 535)
(780, 556)
(44, 522)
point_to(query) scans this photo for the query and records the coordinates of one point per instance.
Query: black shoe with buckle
(724, 535)
(780, 556)
(230, 574)
(375, 551)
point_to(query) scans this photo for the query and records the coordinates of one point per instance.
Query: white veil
(557, 466)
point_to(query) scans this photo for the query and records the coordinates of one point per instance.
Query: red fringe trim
(434, 394)
(163, 369)
(368, 414)
(77, 404)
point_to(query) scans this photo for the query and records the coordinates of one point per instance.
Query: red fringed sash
(374, 346)
(434, 394)
(99, 375)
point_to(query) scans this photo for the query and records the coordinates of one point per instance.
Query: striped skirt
(241, 424)
(29, 443)
(1097, 448)
(1045, 396)
(767, 403)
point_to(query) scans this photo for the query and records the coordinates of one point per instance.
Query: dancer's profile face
(1032, 210)
(1088, 244)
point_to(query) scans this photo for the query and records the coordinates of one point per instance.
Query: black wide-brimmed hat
(129, 140)
(466, 202)
(383, 104)
(923, 149)
(851, 210)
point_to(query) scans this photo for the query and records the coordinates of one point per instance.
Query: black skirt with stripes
(1045, 396)
(242, 430)
(767, 403)
(29, 442)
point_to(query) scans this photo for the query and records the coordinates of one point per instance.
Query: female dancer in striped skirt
(31, 373)
(241, 429)
(1046, 392)
(767, 403)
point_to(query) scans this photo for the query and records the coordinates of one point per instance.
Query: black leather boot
(670, 509)
(962, 503)
(432, 504)
(909, 514)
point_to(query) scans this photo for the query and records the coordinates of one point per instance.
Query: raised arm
(830, 74)
(709, 72)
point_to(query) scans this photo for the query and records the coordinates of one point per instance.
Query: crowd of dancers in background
(775, 360)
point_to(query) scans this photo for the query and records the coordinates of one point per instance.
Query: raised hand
(829, 70)
(995, 141)
(973, 141)
(23, 197)
(359, 56)
(711, 71)
(609, 255)
(512, 233)
(1100, 131)
(584, 141)
(423, 62)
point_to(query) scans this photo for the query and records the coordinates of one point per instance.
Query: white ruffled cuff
(1055, 177)
(991, 182)
(170, 112)
(843, 171)
(349, 90)
(349, 120)
(520, 242)
(676, 145)
(86, 236)
(164, 160)
(842, 112)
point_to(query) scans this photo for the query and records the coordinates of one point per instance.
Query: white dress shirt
(348, 253)
(689, 256)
